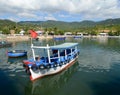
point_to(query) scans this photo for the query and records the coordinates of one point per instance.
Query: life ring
(68, 60)
(34, 67)
(75, 55)
(42, 66)
(48, 66)
(64, 62)
(55, 64)
(60, 64)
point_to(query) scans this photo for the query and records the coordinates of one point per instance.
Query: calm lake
(97, 71)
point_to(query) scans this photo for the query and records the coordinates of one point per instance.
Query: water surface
(97, 71)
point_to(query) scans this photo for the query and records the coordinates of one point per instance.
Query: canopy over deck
(64, 45)
(61, 46)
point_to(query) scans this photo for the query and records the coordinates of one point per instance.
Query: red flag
(33, 34)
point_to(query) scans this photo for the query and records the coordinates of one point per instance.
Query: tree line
(59, 28)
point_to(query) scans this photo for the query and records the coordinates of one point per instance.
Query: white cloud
(13, 19)
(27, 15)
(49, 17)
(63, 16)
(85, 9)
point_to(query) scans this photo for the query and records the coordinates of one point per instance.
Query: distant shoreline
(26, 38)
(22, 38)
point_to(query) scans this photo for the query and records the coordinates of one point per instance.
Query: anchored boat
(59, 58)
(78, 36)
(59, 38)
(17, 53)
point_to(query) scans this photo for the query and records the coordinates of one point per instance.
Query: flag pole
(33, 36)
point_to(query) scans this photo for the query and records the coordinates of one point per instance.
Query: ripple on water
(98, 60)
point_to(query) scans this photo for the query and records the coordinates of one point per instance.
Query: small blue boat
(78, 36)
(59, 38)
(17, 53)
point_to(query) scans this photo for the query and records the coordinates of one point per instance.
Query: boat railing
(65, 55)
(55, 61)
(68, 56)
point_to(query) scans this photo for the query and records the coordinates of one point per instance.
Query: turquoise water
(97, 71)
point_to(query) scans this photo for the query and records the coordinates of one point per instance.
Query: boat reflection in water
(50, 85)
(16, 59)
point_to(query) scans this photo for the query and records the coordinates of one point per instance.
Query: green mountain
(110, 22)
(60, 24)
(72, 25)
(6, 22)
(6, 25)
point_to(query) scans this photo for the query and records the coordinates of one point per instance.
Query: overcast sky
(59, 10)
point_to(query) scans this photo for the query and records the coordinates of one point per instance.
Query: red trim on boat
(27, 62)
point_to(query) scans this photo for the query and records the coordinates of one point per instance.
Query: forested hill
(110, 22)
(62, 24)
(7, 24)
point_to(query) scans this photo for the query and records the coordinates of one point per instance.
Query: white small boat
(62, 57)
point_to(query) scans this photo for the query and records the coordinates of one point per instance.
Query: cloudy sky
(59, 10)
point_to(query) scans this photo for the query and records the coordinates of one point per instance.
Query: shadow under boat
(51, 84)
(12, 60)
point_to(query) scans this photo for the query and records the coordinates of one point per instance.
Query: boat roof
(64, 45)
(61, 46)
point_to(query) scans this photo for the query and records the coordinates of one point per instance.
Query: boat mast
(48, 52)
(76, 48)
(33, 52)
(58, 54)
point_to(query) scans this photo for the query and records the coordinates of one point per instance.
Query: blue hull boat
(78, 37)
(59, 38)
(56, 59)
(17, 53)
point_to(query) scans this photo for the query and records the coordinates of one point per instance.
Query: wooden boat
(17, 53)
(58, 58)
(5, 44)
